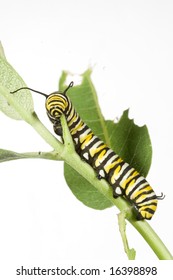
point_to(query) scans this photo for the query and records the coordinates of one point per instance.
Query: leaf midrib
(100, 116)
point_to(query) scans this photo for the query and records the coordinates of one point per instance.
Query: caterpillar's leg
(58, 130)
(100, 174)
(117, 191)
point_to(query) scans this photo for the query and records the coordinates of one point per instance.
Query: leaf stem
(7, 155)
(52, 155)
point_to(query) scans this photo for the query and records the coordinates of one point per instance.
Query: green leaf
(130, 141)
(10, 81)
(6, 155)
(2, 53)
(84, 191)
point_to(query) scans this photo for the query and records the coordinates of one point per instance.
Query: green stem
(45, 134)
(152, 239)
(6, 155)
(44, 155)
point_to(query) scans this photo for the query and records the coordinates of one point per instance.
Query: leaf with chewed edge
(130, 141)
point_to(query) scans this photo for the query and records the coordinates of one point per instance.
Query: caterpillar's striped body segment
(123, 178)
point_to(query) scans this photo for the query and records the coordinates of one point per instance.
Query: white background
(129, 44)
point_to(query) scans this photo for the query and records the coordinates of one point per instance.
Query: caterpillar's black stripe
(123, 178)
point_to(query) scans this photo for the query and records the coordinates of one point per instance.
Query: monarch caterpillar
(123, 178)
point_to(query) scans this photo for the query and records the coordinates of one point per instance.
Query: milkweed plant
(80, 176)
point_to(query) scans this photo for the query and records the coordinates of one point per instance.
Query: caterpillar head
(56, 102)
